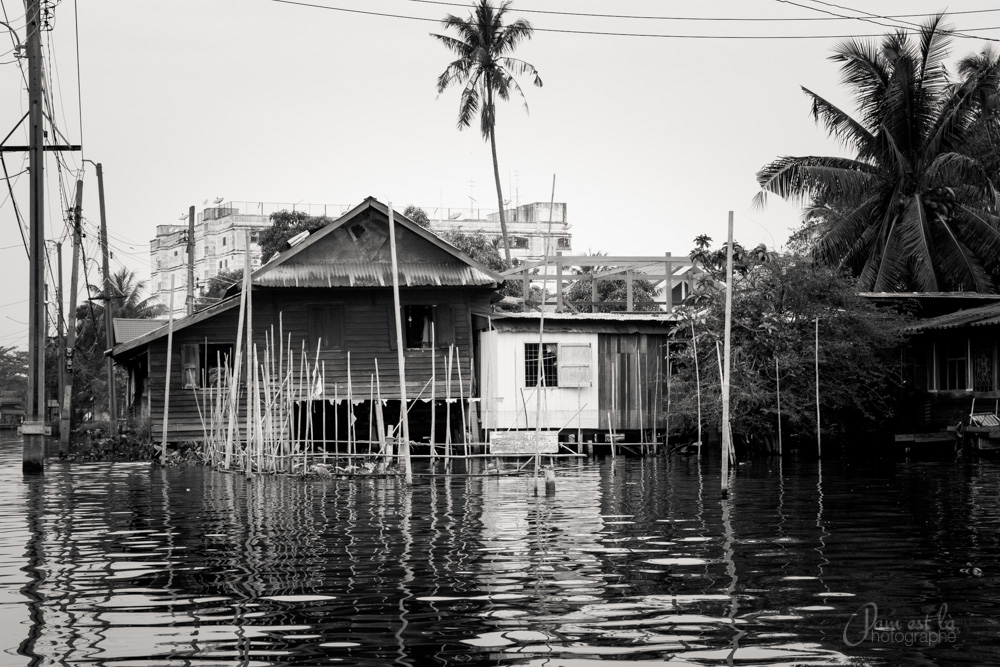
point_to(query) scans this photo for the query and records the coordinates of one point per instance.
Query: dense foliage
(285, 225)
(914, 209)
(215, 288)
(417, 215)
(13, 369)
(486, 70)
(776, 303)
(612, 295)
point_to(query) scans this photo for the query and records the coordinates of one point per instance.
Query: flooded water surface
(632, 561)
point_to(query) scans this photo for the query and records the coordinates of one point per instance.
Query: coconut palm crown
(486, 71)
(912, 210)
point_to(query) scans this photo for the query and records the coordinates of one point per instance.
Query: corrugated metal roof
(126, 329)
(974, 296)
(621, 323)
(357, 274)
(975, 317)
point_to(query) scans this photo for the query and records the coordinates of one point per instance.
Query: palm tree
(486, 71)
(912, 209)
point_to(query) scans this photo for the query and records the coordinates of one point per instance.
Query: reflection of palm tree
(912, 209)
(486, 70)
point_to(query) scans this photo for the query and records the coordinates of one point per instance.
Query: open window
(206, 364)
(417, 323)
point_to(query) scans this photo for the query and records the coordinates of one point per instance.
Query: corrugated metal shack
(329, 298)
(600, 372)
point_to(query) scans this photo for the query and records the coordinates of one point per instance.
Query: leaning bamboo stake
(447, 403)
(234, 388)
(461, 403)
(404, 446)
(322, 398)
(336, 424)
(166, 393)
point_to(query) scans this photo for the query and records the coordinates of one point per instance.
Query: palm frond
(840, 124)
(800, 178)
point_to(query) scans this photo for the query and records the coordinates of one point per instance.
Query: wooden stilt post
(433, 393)
(166, 391)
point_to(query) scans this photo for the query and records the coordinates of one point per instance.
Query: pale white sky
(652, 139)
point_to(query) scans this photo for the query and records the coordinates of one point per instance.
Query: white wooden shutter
(575, 365)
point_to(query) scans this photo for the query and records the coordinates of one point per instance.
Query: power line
(693, 18)
(626, 34)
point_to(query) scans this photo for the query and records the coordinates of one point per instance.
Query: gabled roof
(972, 317)
(163, 329)
(356, 262)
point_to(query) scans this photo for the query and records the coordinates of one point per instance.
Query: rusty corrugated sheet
(127, 329)
(982, 316)
(357, 274)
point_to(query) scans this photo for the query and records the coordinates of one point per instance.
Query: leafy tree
(128, 300)
(913, 209)
(417, 215)
(776, 300)
(13, 369)
(486, 71)
(484, 250)
(215, 288)
(285, 225)
(613, 293)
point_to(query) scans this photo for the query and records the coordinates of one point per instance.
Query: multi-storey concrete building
(527, 225)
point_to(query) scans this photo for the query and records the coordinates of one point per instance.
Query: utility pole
(33, 429)
(190, 250)
(67, 395)
(61, 341)
(108, 316)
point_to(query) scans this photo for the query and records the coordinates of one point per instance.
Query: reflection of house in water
(545, 543)
(329, 296)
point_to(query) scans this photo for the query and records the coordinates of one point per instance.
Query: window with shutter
(326, 325)
(575, 365)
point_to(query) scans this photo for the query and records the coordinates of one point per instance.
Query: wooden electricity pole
(33, 429)
(65, 422)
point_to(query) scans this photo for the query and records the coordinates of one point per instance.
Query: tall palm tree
(487, 71)
(912, 209)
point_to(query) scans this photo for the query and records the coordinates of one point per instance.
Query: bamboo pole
(326, 435)
(250, 360)
(614, 406)
(777, 392)
(819, 441)
(350, 408)
(447, 403)
(336, 423)
(404, 446)
(639, 392)
(666, 438)
(727, 445)
(461, 403)
(234, 388)
(433, 392)
(697, 382)
(166, 393)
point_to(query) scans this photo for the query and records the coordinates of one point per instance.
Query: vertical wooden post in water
(249, 351)
(819, 441)
(404, 443)
(727, 444)
(697, 382)
(433, 392)
(170, 353)
(777, 391)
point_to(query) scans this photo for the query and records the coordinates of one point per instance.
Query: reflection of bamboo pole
(170, 352)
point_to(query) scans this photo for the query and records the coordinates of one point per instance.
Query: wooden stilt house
(327, 302)
(601, 374)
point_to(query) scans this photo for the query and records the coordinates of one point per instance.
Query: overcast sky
(652, 139)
